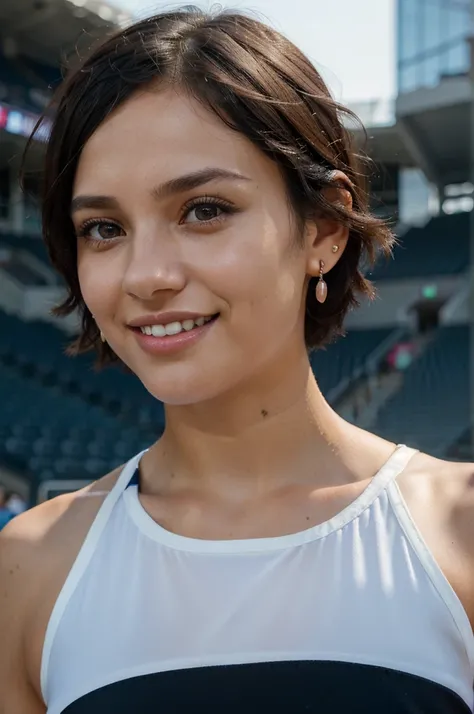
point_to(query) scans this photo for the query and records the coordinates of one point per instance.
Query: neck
(276, 429)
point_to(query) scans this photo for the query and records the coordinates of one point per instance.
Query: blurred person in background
(206, 208)
(15, 503)
(401, 356)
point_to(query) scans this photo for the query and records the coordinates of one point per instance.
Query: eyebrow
(181, 184)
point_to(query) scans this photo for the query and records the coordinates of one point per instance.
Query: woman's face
(182, 220)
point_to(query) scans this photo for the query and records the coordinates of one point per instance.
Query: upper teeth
(173, 328)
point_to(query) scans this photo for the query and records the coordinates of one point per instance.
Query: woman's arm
(37, 550)
(440, 498)
(19, 563)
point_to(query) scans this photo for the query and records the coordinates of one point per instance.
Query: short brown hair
(258, 83)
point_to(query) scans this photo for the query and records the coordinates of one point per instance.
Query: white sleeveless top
(352, 615)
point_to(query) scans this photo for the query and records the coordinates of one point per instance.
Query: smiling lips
(166, 334)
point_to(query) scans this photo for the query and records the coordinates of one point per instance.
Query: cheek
(98, 283)
(270, 268)
(260, 275)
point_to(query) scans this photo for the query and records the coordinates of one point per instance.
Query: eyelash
(226, 207)
(86, 226)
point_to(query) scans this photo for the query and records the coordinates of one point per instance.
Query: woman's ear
(326, 238)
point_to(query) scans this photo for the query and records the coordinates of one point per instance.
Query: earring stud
(102, 337)
(335, 248)
(321, 287)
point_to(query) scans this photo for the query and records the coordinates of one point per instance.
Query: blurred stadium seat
(23, 242)
(422, 252)
(341, 361)
(46, 433)
(431, 409)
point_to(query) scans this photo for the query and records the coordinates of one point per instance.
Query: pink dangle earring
(321, 287)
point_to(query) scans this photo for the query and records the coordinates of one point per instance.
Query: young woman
(205, 208)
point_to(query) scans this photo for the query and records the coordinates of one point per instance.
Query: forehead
(162, 134)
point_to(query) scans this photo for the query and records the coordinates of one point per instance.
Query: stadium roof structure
(430, 128)
(386, 146)
(47, 30)
(377, 134)
(435, 125)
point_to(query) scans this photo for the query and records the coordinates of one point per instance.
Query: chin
(181, 389)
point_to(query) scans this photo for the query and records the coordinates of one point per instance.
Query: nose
(154, 264)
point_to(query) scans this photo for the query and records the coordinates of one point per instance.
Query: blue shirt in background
(5, 517)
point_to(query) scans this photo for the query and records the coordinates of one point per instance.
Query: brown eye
(105, 231)
(108, 230)
(204, 212)
(100, 230)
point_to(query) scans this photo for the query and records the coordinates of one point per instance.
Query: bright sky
(352, 42)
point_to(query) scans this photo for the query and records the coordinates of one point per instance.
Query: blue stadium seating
(31, 244)
(342, 359)
(22, 272)
(439, 248)
(431, 410)
(38, 349)
(47, 434)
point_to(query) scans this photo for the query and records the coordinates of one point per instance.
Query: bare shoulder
(37, 550)
(42, 530)
(440, 497)
(455, 482)
(447, 486)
